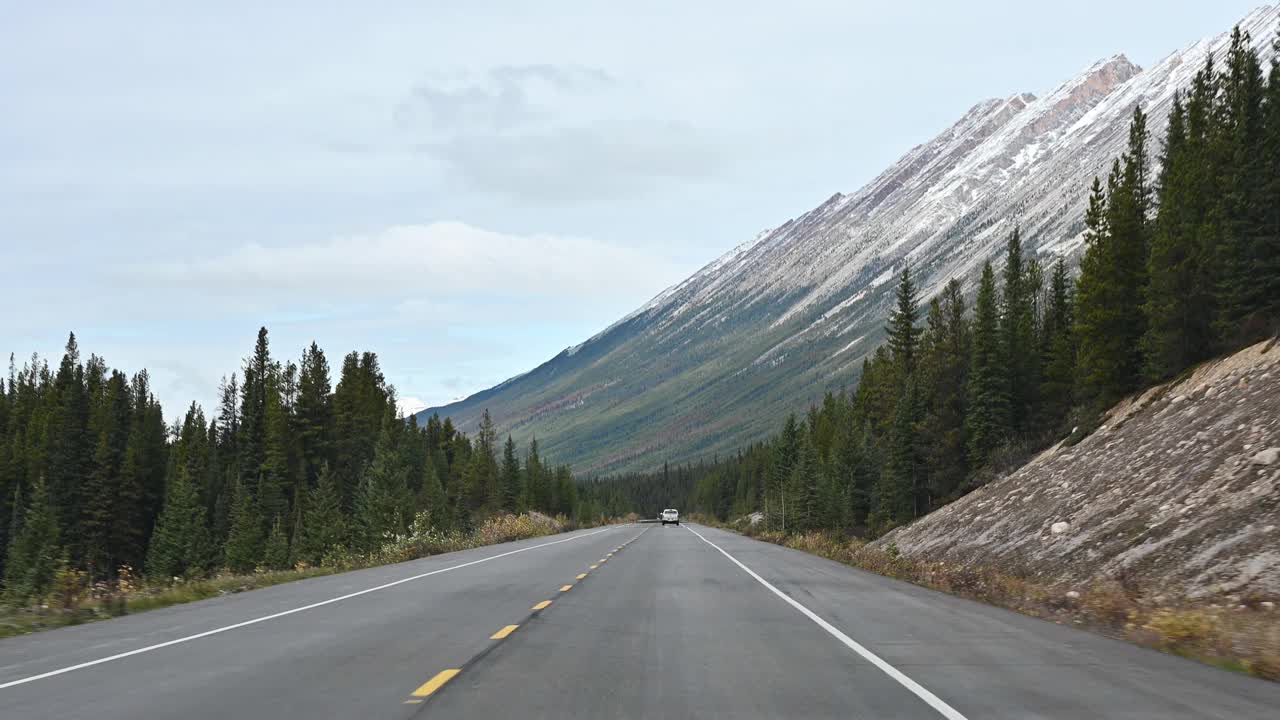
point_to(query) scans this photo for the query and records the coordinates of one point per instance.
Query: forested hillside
(1180, 265)
(289, 469)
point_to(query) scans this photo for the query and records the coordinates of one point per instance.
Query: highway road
(623, 622)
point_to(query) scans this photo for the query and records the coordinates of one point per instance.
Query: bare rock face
(1266, 457)
(1173, 492)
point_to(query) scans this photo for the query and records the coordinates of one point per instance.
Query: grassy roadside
(1235, 633)
(74, 601)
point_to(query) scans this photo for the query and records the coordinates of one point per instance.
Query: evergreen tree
(945, 376)
(431, 498)
(1243, 281)
(178, 545)
(324, 525)
(1057, 390)
(987, 421)
(1018, 354)
(275, 555)
(244, 546)
(1106, 347)
(314, 412)
(510, 477)
(803, 513)
(482, 480)
(383, 505)
(102, 492)
(35, 550)
(537, 491)
(904, 336)
(896, 492)
(566, 493)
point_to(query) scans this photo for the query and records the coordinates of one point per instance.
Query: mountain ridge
(771, 325)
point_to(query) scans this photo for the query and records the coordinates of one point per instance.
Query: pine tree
(904, 336)
(896, 492)
(537, 491)
(70, 450)
(510, 477)
(244, 545)
(324, 525)
(1104, 349)
(383, 505)
(784, 458)
(1017, 337)
(314, 412)
(431, 498)
(102, 491)
(987, 420)
(803, 512)
(275, 555)
(566, 493)
(482, 481)
(179, 543)
(945, 376)
(1266, 249)
(35, 550)
(1058, 352)
(274, 476)
(1243, 279)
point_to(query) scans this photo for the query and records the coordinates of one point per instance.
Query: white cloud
(441, 260)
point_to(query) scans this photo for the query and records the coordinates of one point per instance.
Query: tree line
(290, 469)
(1178, 266)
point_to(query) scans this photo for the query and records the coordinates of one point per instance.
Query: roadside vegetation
(1240, 633)
(73, 600)
(106, 508)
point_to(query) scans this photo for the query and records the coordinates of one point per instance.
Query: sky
(465, 188)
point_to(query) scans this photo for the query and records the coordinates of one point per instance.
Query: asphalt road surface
(625, 622)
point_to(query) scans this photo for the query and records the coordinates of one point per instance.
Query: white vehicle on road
(670, 516)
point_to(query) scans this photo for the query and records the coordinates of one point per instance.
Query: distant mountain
(711, 363)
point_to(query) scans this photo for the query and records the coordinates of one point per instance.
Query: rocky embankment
(1177, 493)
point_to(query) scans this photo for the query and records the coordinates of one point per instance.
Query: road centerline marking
(542, 605)
(582, 576)
(284, 613)
(435, 683)
(503, 632)
(919, 690)
(566, 588)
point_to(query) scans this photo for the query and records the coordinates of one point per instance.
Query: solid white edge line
(920, 691)
(273, 616)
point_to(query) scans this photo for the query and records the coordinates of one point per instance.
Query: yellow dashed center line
(583, 575)
(503, 632)
(565, 588)
(542, 605)
(593, 567)
(435, 683)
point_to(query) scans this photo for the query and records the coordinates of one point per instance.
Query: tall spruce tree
(179, 544)
(244, 546)
(36, 548)
(1018, 356)
(986, 423)
(1241, 137)
(904, 334)
(510, 477)
(324, 524)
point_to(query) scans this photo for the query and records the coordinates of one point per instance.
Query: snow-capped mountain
(711, 363)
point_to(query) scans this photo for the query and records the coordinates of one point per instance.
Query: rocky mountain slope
(1179, 492)
(711, 363)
